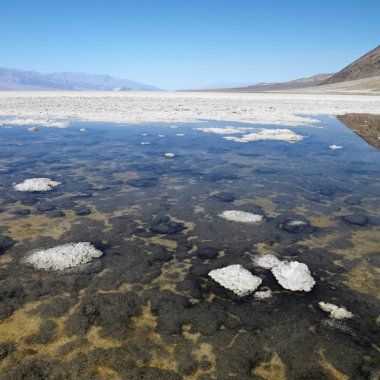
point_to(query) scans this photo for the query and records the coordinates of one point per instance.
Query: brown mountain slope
(291, 85)
(366, 66)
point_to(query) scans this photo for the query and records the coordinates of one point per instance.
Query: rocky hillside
(367, 66)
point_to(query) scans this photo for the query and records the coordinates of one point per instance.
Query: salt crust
(236, 278)
(334, 147)
(263, 294)
(63, 256)
(293, 276)
(36, 184)
(33, 121)
(266, 261)
(335, 312)
(169, 155)
(224, 130)
(240, 216)
(268, 134)
(296, 223)
(173, 107)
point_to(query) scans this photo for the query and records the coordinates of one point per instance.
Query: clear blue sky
(188, 43)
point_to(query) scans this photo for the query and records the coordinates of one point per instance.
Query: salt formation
(180, 134)
(268, 134)
(40, 122)
(32, 129)
(169, 155)
(63, 256)
(263, 295)
(296, 223)
(266, 261)
(334, 147)
(145, 142)
(82, 129)
(223, 131)
(236, 278)
(36, 184)
(240, 216)
(335, 312)
(161, 135)
(293, 276)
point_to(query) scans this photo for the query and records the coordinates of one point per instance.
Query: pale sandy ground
(175, 107)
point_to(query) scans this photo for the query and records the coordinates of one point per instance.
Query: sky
(183, 44)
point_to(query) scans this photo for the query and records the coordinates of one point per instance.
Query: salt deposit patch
(263, 295)
(40, 122)
(36, 184)
(335, 312)
(63, 256)
(223, 131)
(266, 261)
(240, 216)
(236, 278)
(169, 155)
(268, 134)
(335, 147)
(294, 276)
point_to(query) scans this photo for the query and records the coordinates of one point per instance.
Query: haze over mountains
(14, 79)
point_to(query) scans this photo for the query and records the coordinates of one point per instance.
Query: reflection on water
(147, 308)
(365, 125)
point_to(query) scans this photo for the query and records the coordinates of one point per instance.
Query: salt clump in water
(334, 147)
(32, 129)
(335, 312)
(36, 184)
(63, 256)
(266, 261)
(294, 276)
(268, 134)
(223, 131)
(240, 216)
(169, 155)
(236, 278)
(263, 295)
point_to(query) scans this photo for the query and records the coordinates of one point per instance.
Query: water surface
(147, 308)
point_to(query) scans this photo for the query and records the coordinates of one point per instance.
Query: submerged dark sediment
(147, 308)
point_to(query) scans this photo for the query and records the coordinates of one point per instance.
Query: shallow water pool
(147, 309)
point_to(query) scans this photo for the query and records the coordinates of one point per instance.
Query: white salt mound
(236, 278)
(145, 143)
(335, 312)
(63, 256)
(294, 276)
(36, 184)
(296, 223)
(32, 129)
(223, 131)
(240, 216)
(266, 261)
(169, 155)
(268, 134)
(334, 147)
(263, 295)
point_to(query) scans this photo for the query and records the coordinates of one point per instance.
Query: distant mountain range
(13, 79)
(367, 66)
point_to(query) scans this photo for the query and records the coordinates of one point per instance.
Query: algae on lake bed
(147, 308)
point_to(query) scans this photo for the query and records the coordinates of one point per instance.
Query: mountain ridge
(366, 66)
(16, 79)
